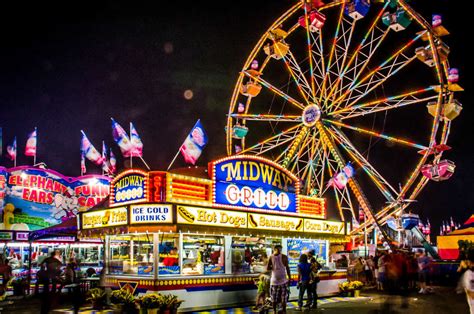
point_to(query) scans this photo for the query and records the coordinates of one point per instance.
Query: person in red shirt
(172, 258)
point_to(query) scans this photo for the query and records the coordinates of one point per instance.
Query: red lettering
(90, 202)
(246, 196)
(26, 193)
(81, 201)
(12, 180)
(42, 197)
(33, 181)
(49, 198)
(49, 185)
(78, 190)
(41, 182)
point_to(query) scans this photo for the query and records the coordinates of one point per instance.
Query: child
(263, 290)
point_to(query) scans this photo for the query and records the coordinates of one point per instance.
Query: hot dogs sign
(250, 181)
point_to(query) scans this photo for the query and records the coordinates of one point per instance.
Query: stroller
(268, 305)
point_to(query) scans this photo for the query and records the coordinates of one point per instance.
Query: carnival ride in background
(310, 91)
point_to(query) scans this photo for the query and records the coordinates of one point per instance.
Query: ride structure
(313, 87)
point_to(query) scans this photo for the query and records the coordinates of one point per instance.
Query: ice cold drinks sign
(150, 214)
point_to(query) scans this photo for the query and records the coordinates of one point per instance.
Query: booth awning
(67, 228)
(448, 247)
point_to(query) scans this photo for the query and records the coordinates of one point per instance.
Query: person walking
(424, 264)
(280, 278)
(304, 273)
(313, 284)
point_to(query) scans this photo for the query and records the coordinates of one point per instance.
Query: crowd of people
(399, 270)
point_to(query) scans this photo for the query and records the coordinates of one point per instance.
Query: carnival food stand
(35, 203)
(204, 235)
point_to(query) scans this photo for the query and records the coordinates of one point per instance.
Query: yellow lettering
(245, 170)
(233, 171)
(267, 173)
(277, 180)
(254, 171)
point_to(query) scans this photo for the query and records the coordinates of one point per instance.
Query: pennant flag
(452, 222)
(137, 144)
(83, 163)
(122, 139)
(1, 142)
(112, 162)
(194, 143)
(105, 166)
(30, 149)
(90, 152)
(361, 215)
(11, 150)
(355, 223)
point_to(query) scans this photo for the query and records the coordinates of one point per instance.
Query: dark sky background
(67, 66)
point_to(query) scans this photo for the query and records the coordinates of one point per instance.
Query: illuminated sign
(129, 187)
(211, 217)
(22, 236)
(323, 226)
(35, 198)
(105, 218)
(6, 235)
(150, 214)
(270, 222)
(253, 182)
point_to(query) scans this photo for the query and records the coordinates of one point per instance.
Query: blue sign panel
(129, 187)
(296, 247)
(254, 182)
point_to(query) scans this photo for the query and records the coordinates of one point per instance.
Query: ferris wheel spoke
(383, 104)
(275, 90)
(379, 75)
(379, 181)
(347, 69)
(331, 53)
(266, 117)
(376, 78)
(299, 77)
(273, 142)
(378, 135)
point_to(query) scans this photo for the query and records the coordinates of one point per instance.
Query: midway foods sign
(32, 198)
(250, 181)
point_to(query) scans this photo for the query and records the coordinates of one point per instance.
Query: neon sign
(253, 182)
(129, 187)
(105, 218)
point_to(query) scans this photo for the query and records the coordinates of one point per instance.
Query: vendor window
(168, 248)
(131, 255)
(203, 255)
(250, 255)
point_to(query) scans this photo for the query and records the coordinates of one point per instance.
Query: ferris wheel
(328, 84)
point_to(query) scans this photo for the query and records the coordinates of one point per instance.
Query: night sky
(71, 66)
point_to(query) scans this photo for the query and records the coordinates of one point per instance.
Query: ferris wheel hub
(311, 115)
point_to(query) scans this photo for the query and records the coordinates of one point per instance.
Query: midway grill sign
(253, 182)
(129, 187)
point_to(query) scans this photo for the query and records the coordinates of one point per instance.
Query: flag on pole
(105, 165)
(194, 143)
(11, 150)
(137, 144)
(361, 215)
(83, 163)
(90, 151)
(452, 222)
(122, 139)
(30, 148)
(112, 162)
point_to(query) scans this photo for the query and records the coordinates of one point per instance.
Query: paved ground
(443, 300)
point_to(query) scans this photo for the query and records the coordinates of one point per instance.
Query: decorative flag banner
(90, 151)
(30, 149)
(122, 139)
(11, 150)
(194, 143)
(83, 163)
(112, 162)
(137, 144)
(339, 180)
(105, 166)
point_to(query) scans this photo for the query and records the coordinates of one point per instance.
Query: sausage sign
(253, 182)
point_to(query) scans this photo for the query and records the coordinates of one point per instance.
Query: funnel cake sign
(253, 182)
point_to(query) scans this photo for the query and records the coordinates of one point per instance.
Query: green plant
(151, 301)
(171, 302)
(345, 286)
(122, 296)
(356, 285)
(96, 295)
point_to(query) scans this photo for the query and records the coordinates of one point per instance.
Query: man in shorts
(280, 278)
